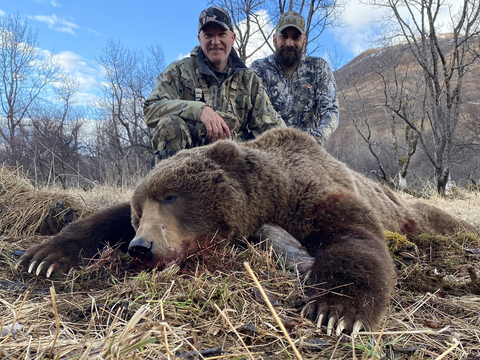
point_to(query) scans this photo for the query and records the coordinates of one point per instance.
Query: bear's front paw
(339, 314)
(49, 259)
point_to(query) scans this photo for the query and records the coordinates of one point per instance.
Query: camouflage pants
(173, 133)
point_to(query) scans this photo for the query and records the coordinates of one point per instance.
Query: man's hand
(215, 125)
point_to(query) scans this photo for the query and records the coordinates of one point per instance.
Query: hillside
(362, 93)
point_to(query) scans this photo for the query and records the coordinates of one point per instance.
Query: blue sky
(83, 27)
(78, 30)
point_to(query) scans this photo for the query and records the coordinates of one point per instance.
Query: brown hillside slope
(361, 95)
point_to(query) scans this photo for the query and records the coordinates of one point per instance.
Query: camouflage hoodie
(309, 100)
(187, 85)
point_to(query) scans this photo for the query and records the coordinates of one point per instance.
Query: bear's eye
(170, 199)
(137, 213)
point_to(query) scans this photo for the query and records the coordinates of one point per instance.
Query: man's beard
(288, 56)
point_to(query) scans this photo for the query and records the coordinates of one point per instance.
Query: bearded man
(301, 88)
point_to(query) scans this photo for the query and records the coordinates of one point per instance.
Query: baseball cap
(216, 15)
(291, 19)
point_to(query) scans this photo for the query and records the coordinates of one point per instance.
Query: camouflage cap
(291, 19)
(216, 15)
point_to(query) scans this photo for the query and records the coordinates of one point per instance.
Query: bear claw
(51, 269)
(40, 267)
(331, 324)
(357, 326)
(334, 325)
(32, 266)
(340, 327)
(319, 320)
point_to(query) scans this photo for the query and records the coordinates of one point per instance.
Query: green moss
(437, 244)
(397, 242)
(469, 239)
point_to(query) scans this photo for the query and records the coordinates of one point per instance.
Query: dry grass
(100, 195)
(211, 308)
(27, 209)
(24, 210)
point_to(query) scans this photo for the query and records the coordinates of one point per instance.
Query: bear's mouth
(143, 263)
(139, 263)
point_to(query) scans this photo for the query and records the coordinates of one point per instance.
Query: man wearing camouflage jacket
(208, 96)
(301, 88)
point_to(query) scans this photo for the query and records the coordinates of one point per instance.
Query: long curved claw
(51, 269)
(320, 320)
(331, 323)
(306, 309)
(32, 266)
(341, 326)
(40, 267)
(357, 326)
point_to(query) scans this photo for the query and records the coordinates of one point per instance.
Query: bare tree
(152, 67)
(55, 140)
(254, 22)
(468, 142)
(357, 102)
(378, 92)
(404, 97)
(25, 74)
(129, 77)
(444, 63)
(318, 14)
(124, 94)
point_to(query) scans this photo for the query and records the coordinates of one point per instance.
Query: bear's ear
(226, 153)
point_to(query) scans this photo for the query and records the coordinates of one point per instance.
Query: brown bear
(228, 190)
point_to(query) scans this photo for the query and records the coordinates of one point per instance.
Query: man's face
(216, 43)
(289, 45)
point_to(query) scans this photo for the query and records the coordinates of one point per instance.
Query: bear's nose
(142, 248)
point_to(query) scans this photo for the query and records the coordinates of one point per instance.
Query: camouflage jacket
(309, 100)
(187, 85)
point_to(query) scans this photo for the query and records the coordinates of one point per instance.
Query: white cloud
(94, 32)
(84, 98)
(87, 76)
(53, 22)
(76, 66)
(2, 13)
(361, 23)
(256, 42)
(51, 2)
(357, 15)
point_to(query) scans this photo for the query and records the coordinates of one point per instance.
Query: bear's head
(188, 200)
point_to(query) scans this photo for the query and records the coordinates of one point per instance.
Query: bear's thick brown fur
(228, 190)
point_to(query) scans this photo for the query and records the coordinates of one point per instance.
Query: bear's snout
(141, 248)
